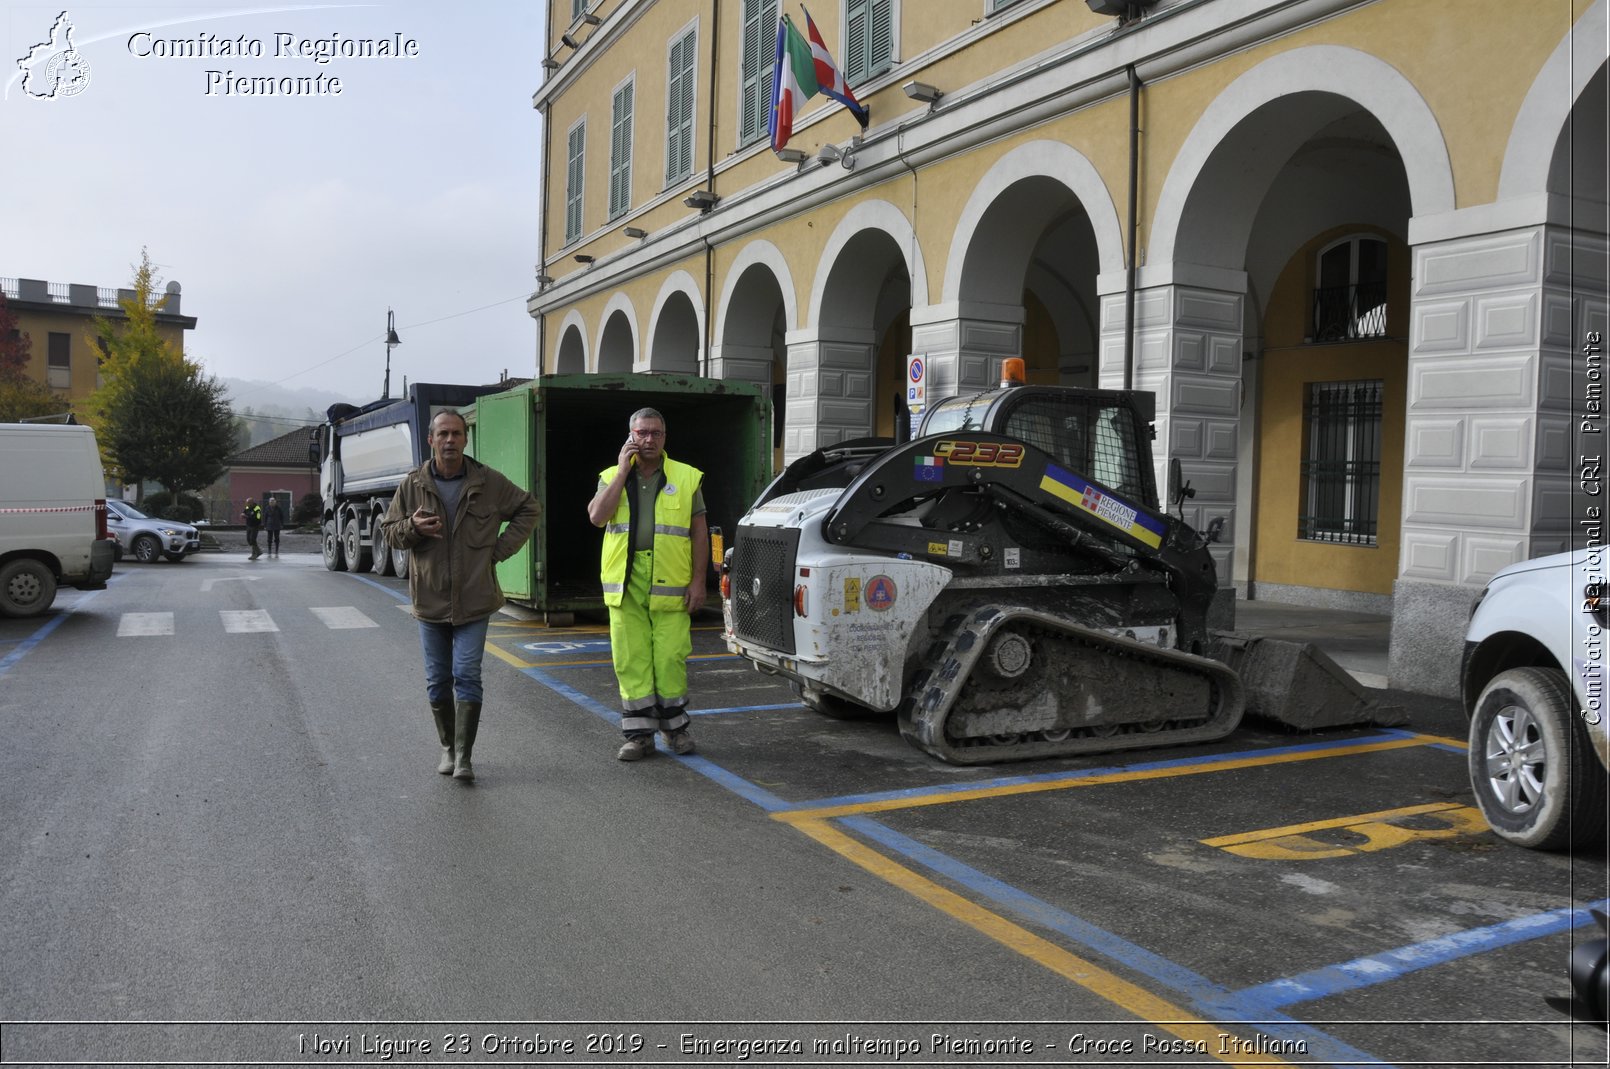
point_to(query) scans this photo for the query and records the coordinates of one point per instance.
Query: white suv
(1534, 689)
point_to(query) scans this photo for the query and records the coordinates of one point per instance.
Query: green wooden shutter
(855, 41)
(880, 37)
(574, 176)
(620, 152)
(759, 57)
(679, 109)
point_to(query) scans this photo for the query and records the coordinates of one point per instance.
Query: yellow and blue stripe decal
(1110, 509)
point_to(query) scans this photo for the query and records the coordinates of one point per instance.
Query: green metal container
(554, 434)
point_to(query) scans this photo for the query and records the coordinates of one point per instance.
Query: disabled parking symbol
(554, 649)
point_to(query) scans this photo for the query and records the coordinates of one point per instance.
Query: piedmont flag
(793, 83)
(829, 79)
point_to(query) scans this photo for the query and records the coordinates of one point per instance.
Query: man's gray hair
(644, 413)
(455, 413)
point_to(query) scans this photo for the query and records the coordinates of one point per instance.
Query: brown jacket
(451, 579)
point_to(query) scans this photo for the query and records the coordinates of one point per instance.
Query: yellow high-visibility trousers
(650, 651)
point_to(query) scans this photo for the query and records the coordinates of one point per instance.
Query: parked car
(1534, 688)
(145, 539)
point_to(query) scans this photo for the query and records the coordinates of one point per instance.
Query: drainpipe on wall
(1134, 242)
(542, 232)
(710, 178)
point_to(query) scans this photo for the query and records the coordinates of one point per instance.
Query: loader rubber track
(1013, 683)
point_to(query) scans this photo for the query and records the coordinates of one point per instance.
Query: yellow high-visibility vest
(673, 538)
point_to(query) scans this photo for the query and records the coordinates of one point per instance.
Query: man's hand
(693, 600)
(628, 451)
(427, 523)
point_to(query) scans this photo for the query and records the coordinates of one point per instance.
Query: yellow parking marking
(1378, 831)
(884, 805)
(1129, 997)
(504, 655)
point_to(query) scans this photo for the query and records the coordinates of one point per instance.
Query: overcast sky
(291, 222)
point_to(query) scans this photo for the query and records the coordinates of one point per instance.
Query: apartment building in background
(1357, 249)
(56, 317)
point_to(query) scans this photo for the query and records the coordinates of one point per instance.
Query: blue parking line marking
(1201, 991)
(27, 645)
(745, 709)
(400, 595)
(1105, 770)
(1393, 964)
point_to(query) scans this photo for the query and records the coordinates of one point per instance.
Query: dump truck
(1006, 584)
(364, 453)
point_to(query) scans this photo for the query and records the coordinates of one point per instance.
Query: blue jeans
(453, 659)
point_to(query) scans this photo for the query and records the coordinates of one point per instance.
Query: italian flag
(794, 82)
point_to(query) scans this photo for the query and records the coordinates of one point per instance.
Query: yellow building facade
(56, 317)
(1355, 248)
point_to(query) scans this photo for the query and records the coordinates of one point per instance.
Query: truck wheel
(146, 549)
(335, 559)
(1532, 765)
(357, 550)
(399, 562)
(27, 588)
(381, 553)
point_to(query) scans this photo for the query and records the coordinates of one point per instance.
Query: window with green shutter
(575, 176)
(869, 39)
(679, 108)
(759, 57)
(992, 6)
(577, 8)
(620, 151)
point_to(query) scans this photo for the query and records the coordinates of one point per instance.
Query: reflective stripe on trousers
(650, 651)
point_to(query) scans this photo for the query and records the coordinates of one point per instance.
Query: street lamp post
(391, 341)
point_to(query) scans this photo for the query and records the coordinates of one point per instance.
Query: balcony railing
(1347, 313)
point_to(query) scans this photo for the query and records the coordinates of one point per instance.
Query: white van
(52, 515)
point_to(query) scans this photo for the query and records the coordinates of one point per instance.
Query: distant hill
(267, 411)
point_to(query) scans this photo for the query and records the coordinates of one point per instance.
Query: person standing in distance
(653, 567)
(273, 521)
(447, 513)
(254, 523)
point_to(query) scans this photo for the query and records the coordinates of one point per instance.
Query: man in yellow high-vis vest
(653, 569)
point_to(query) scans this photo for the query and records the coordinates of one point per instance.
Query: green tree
(157, 416)
(21, 397)
(170, 423)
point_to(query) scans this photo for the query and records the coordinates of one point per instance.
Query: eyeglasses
(649, 434)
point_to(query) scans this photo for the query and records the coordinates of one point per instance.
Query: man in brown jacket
(447, 512)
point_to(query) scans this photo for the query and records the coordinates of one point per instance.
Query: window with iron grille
(682, 65)
(1350, 299)
(574, 176)
(868, 39)
(759, 58)
(620, 151)
(1341, 468)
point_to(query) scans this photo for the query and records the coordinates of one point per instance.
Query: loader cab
(1102, 434)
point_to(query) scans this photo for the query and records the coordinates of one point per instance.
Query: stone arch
(872, 215)
(1185, 230)
(765, 254)
(617, 346)
(1546, 111)
(570, 355)
(1037, 159)
(676, 333)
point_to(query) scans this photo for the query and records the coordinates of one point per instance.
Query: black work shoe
(635, 748)
(680, 741)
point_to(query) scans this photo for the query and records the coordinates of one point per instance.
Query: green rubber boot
(443, 714)
(467, 722)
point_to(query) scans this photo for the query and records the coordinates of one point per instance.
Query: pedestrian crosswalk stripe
(247, 621)
(341, 617)
(144, 623)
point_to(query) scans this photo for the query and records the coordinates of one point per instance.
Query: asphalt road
(215, 825)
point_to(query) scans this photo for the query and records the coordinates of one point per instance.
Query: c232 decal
(979, 454)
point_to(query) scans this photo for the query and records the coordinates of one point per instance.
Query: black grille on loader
(763, 586)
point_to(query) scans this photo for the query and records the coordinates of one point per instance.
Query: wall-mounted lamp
(583, 258)
(550, 64)
(701, 199)
(568, 41)
(922, 91)
(1122, 10)
(590, 19)
(635, 232)
(791, 155)
(544, 280)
